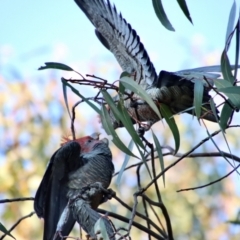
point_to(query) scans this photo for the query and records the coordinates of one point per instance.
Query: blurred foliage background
(34, 118)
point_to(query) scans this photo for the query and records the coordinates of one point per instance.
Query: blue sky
(34, 32)
(30, 30)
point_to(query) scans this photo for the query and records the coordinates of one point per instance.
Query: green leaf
(127, 122)
(158, 8)
(5, 231)
(112, 105)
(121, 89)
(231, 19)
(123, 116)
(82, 97)
(125, 162)
(213, 108)
(64, 85)
(100, 229)
(236, 222)
(107, 125)
(216, 145)
(226, 68)
(225, 116)
(233, 94)
(233, 90)
(144, 161)
(221, 83)
(133, 86)
(237, 49)
(207, 69)
(198, 96)
(183, 6)
(167, 114)
(125, 74)
(160, 156)
(55, 65)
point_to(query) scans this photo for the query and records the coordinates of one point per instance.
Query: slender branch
(178, 160)
(144, 202)
(208, 184)
(165, 214)
(17, 199)
(135, 224)
(132, 215)
(156, 215)
(16, 224)
(140, 215)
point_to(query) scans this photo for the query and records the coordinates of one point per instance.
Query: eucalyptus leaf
(144, 161)
(206, 69)
(233, 90)
(125, 74)
(5, 231)
(133, 86)
(167, 114)
(236, 222)
(82, 97)
(226, 68)
(183, 6)
(225, 116)
(231, 19)
(158, 8)
(100, 229)
(125, 162)
(107, 125)
(160, 156)
(198, 96)
(221, 83)
(123, 116)
(64, 85)
(55, 65)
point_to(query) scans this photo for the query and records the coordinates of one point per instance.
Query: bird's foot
(141, 131)
(144, 127)
(108, 194)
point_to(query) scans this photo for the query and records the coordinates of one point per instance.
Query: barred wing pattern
(118, 36)
(175, 89)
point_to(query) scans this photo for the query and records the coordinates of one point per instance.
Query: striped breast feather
(118, 36)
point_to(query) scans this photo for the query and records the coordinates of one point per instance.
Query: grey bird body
(175, 89)
(74, 166)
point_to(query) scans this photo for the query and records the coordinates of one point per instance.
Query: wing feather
(51, 197)
(118, 36)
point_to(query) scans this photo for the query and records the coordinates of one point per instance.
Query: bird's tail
(178, 93)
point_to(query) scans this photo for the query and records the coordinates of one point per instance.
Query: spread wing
(51, 197)
(118, 36)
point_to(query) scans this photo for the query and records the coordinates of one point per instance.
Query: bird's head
(90, 144)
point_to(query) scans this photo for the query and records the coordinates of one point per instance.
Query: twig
(17, 199)
(208, 184)
(135, 224)
(165, 214)
(178, 160)
(140, 215)
(15, 225)
(144, 202)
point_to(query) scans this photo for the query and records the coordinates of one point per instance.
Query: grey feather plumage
(67, 173)
(118, 36)
(175, 89)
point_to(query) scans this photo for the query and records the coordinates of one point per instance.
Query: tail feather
(180, 95)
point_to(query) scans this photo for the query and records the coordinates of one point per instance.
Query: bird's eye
(89, 140)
